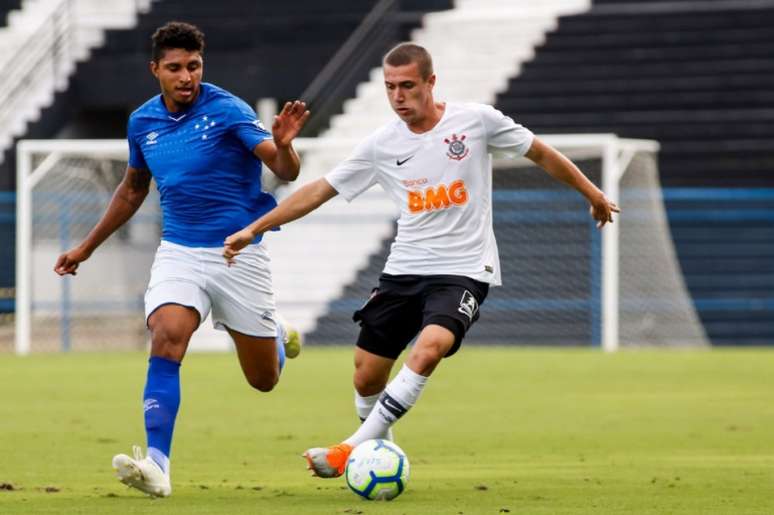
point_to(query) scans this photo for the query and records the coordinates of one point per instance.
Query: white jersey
(442, 183)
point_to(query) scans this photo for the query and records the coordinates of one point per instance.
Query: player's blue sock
(161, 400)
(280, 339)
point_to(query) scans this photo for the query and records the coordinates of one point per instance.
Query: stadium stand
(254, 50)
(6, 198)
(38, 50)
(695, 76)
(684, 78)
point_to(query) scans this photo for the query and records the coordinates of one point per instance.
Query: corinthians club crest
(457, 149)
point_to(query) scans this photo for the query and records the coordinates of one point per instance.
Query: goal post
(615, 154)
(621, 286)
(63, 186)
(565, 282)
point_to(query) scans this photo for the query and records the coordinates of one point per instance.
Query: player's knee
(428, 355)
(263, 382)
(437, 346)
(165, 337)
(367, 384)
(168, 343)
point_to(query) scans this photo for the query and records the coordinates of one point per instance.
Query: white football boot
(142, 473)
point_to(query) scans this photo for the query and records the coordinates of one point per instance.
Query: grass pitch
(496, 431)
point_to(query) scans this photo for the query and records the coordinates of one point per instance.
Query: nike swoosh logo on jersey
(399, 162)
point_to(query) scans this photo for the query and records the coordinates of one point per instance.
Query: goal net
(63, 190)
(565, 282)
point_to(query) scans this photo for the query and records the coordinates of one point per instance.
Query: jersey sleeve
(244, 124)
(136, 159)
(504, 136)
(355, 174)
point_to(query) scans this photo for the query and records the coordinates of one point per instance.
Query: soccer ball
(377, 470)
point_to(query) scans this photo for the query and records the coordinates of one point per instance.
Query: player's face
(411, 96)
(179, 72)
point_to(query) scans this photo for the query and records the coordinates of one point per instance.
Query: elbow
(136, 198)
(141, 191)
(287, 173)
(133, 195)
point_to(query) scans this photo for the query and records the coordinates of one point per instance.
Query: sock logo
(391, 405)
(468, 305)
(149, 404)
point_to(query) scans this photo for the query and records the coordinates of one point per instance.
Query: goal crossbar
(615, 153)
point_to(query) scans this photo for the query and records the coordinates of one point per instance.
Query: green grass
(529, 431)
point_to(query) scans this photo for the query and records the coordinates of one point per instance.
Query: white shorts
(240, 296)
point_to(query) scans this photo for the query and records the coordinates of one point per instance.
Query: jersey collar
(408, 132)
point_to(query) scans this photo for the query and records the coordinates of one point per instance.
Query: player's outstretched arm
(127, 198)
(278, 153)
(308, 198)
(561, 168)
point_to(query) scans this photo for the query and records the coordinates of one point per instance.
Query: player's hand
(234, 243)
(69, 261)
(602, 210)
(289, 122)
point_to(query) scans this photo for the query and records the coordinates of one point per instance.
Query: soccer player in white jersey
(204, 147)
(433, 162)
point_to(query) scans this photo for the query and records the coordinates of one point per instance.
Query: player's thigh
(451, 303)
(176, 278)
(175, 300)
(242, 296)
(258, 359)
(371, 372)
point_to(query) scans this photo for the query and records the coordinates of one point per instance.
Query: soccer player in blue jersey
(204, 148)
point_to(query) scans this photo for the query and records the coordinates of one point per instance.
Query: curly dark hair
(176, 34)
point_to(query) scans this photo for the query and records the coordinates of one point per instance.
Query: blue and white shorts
(240, 296)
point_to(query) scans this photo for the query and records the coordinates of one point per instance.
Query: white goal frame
(615, 153)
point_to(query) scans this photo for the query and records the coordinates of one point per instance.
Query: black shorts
(402, 305)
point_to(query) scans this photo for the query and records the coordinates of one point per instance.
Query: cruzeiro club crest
(457, 149)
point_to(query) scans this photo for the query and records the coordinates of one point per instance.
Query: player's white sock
(160, 458)
(364, 406)
(399, 396)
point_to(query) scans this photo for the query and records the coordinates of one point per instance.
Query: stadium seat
(696, 77)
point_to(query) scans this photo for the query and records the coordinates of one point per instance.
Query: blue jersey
(202, 161)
